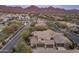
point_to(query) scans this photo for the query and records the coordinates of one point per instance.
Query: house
(48, 39)
(61, 40)
(42, 38)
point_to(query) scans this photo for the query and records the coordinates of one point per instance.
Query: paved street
(10, 45)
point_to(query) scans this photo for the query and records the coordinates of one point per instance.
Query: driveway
(43, 50)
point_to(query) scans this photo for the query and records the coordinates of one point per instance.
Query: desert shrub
(26, 34)
(22, 48)
(10, 29)
(41, 27)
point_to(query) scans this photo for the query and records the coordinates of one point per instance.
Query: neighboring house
(61, 40)
(3, 20)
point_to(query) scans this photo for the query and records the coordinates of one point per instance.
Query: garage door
(49, 46)
(40, 45)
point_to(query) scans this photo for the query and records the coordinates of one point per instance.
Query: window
(31, 35)
(42, 39)
(41, 45)
(51, 38)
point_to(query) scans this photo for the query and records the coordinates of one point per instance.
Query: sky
(57, 6)
(68, 6)
(61, 6)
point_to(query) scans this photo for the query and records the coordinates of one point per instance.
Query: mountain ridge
(35, 10)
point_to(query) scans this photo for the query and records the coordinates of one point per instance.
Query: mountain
(32, 9)
(35, 10)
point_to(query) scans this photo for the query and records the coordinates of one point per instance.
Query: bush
(22, 48)
(14, 22)
(73, 29)
(72, 46)
(40, 28)
(10, 29)
(61, 25)
(3, 42)
(33, 24)
(26, 34)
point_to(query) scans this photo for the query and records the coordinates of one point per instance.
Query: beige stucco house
(48, 39)
(42, 38)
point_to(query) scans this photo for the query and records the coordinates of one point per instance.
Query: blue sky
(62, 6)
(68, 6)
(57, 6)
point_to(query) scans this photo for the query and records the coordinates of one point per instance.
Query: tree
(15, 26)
(14, 22)
(10, 29)
(73, 29)
(26, 34)
(22, 48)
(41, 27)
(3, 42)
(73, 45)
(62, 25)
